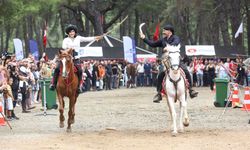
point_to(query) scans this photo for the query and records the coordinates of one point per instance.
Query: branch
(107, 25)
(110, 7)
(70, 8)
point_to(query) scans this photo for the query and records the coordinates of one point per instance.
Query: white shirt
(75, 42)
(140, 68)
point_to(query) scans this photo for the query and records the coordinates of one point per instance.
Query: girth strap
(175, 86)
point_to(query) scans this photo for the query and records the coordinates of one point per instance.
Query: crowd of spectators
(19, 79)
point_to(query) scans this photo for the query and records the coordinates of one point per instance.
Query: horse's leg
(182, 105)
(73, 111)
(70, 113)
(186, 119)
(173, 114)
(61, 109)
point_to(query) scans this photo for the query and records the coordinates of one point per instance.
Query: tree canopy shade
(207, 22)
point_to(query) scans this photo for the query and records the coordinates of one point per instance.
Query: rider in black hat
(168, 38)
(72, 40)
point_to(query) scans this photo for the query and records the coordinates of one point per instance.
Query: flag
(45, 38)
(156, 34)
(240, 30)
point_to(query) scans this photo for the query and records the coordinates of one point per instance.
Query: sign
(90, 52)
(34, 49)
(129, 49)
(146, 57)
(200, 50)
(18, 49)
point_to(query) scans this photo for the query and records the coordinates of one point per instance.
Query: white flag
(240, 30)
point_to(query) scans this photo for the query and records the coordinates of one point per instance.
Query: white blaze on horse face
(174, 60)
(64, 74)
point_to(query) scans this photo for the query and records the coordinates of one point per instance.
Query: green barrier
(49, 95)
(221, 92)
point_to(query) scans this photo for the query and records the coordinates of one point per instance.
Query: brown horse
(131, 74)
(67, 86)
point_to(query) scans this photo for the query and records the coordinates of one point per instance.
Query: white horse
(175, 89)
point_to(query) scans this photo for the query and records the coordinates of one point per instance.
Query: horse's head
(174, 57)
(65, 56)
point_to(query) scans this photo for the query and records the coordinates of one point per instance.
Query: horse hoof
(68, 130)
(186, 123)
(61, 125)
(174, 133)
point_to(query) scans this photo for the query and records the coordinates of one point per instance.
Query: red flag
(45, 38)
(156, 34)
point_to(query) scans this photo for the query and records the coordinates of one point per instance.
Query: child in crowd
(8, 99)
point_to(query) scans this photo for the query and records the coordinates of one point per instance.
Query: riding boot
(192, 93)
(54, 80)
(157, 98)
(79, 74)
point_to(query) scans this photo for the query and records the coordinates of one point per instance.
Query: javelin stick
(90, 43)
(105, 34)
(116, 26)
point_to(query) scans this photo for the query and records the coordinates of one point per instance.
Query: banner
(200, 50)
(18, 49)
(90, 52)
(34, 49)
(129, 49)
(146, 57)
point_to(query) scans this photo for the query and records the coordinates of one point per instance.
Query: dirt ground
(126, 119)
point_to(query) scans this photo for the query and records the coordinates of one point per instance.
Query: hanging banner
(90, 52)
(18, 49)
(200, 50)
(34, 49)
(129, 49)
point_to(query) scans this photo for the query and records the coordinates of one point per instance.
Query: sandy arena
(127, 119)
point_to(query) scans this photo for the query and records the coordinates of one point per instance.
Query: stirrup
(193, 94)
(157, 98)
(79, 90)
(52, 87)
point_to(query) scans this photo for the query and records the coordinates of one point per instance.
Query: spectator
(8, 99)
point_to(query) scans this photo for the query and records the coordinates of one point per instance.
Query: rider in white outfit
(72, 41)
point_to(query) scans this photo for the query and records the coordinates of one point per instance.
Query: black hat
(169, 27)
(70, 28)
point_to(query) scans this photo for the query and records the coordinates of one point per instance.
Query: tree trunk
(87, 27)
(235, 19)
(136, 27)
(7, 38)
(247, 25)
(25, 37)
(37, 30)
(214, 30)
(223, 22)
(2, 43)
(30, 27)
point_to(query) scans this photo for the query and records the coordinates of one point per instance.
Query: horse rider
(72, 40)
(168, 38)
